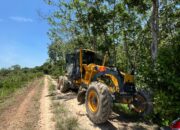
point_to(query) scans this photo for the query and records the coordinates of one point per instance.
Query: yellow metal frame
(89, 69)
(90, 72)
(128, 77)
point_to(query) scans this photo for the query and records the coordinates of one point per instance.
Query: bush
(12, 79)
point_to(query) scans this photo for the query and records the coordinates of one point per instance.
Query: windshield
(91, 57)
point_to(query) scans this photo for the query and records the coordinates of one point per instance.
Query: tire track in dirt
(22, 114)
(18, 119)
(115, 122)
(45, 122)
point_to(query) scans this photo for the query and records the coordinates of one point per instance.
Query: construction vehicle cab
(78, 64)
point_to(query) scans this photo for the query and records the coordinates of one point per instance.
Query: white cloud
(20, 19)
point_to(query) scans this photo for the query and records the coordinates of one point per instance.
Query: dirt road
(29, 109)
(116, 121)
(46, 115)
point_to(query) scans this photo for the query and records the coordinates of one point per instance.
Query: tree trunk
(126, 49)
(154, 29)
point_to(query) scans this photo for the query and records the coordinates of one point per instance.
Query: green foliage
(54, 69)
(124, 29)
(13, 78)
(167, 90)
(63, 120)
(122, 107)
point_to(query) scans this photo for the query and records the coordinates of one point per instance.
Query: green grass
(69, 123)
(12, 81)
(64, 120)
(122, 107)
(11, 99)
(52, 88)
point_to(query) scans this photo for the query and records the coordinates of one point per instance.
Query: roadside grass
(9, 99)
(42, 83)
(124, 110)
(63, 119)
(12, 83)
(52, 88)
(123, 107)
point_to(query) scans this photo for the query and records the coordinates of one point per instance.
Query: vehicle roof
(88, 50)
(77, 50)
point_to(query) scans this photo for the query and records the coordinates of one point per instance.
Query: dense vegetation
(14, 78)
(143, 34)
(136, 33)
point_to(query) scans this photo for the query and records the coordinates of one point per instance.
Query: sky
(23, 33)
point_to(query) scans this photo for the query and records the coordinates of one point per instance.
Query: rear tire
(145, 106)
(98, 102)
(64, 85)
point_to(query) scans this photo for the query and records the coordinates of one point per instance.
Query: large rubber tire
(64, 84)
(104, 102)
(81, 95)
(146, 104)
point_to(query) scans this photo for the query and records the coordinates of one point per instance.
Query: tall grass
(64, 120)
(11, 80)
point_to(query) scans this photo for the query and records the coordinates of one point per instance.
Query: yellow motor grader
(99, 85)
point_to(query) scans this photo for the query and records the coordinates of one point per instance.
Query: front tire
(81, 95)
(142, 103)
(98, 102)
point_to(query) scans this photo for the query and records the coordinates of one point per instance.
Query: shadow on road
(107, 126)
(119, 120)
(122, 121)
(66, 97)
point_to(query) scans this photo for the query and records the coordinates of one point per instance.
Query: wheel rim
(140, 104)
(93, 101)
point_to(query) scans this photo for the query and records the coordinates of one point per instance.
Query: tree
(142, 33)
(155, 28)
